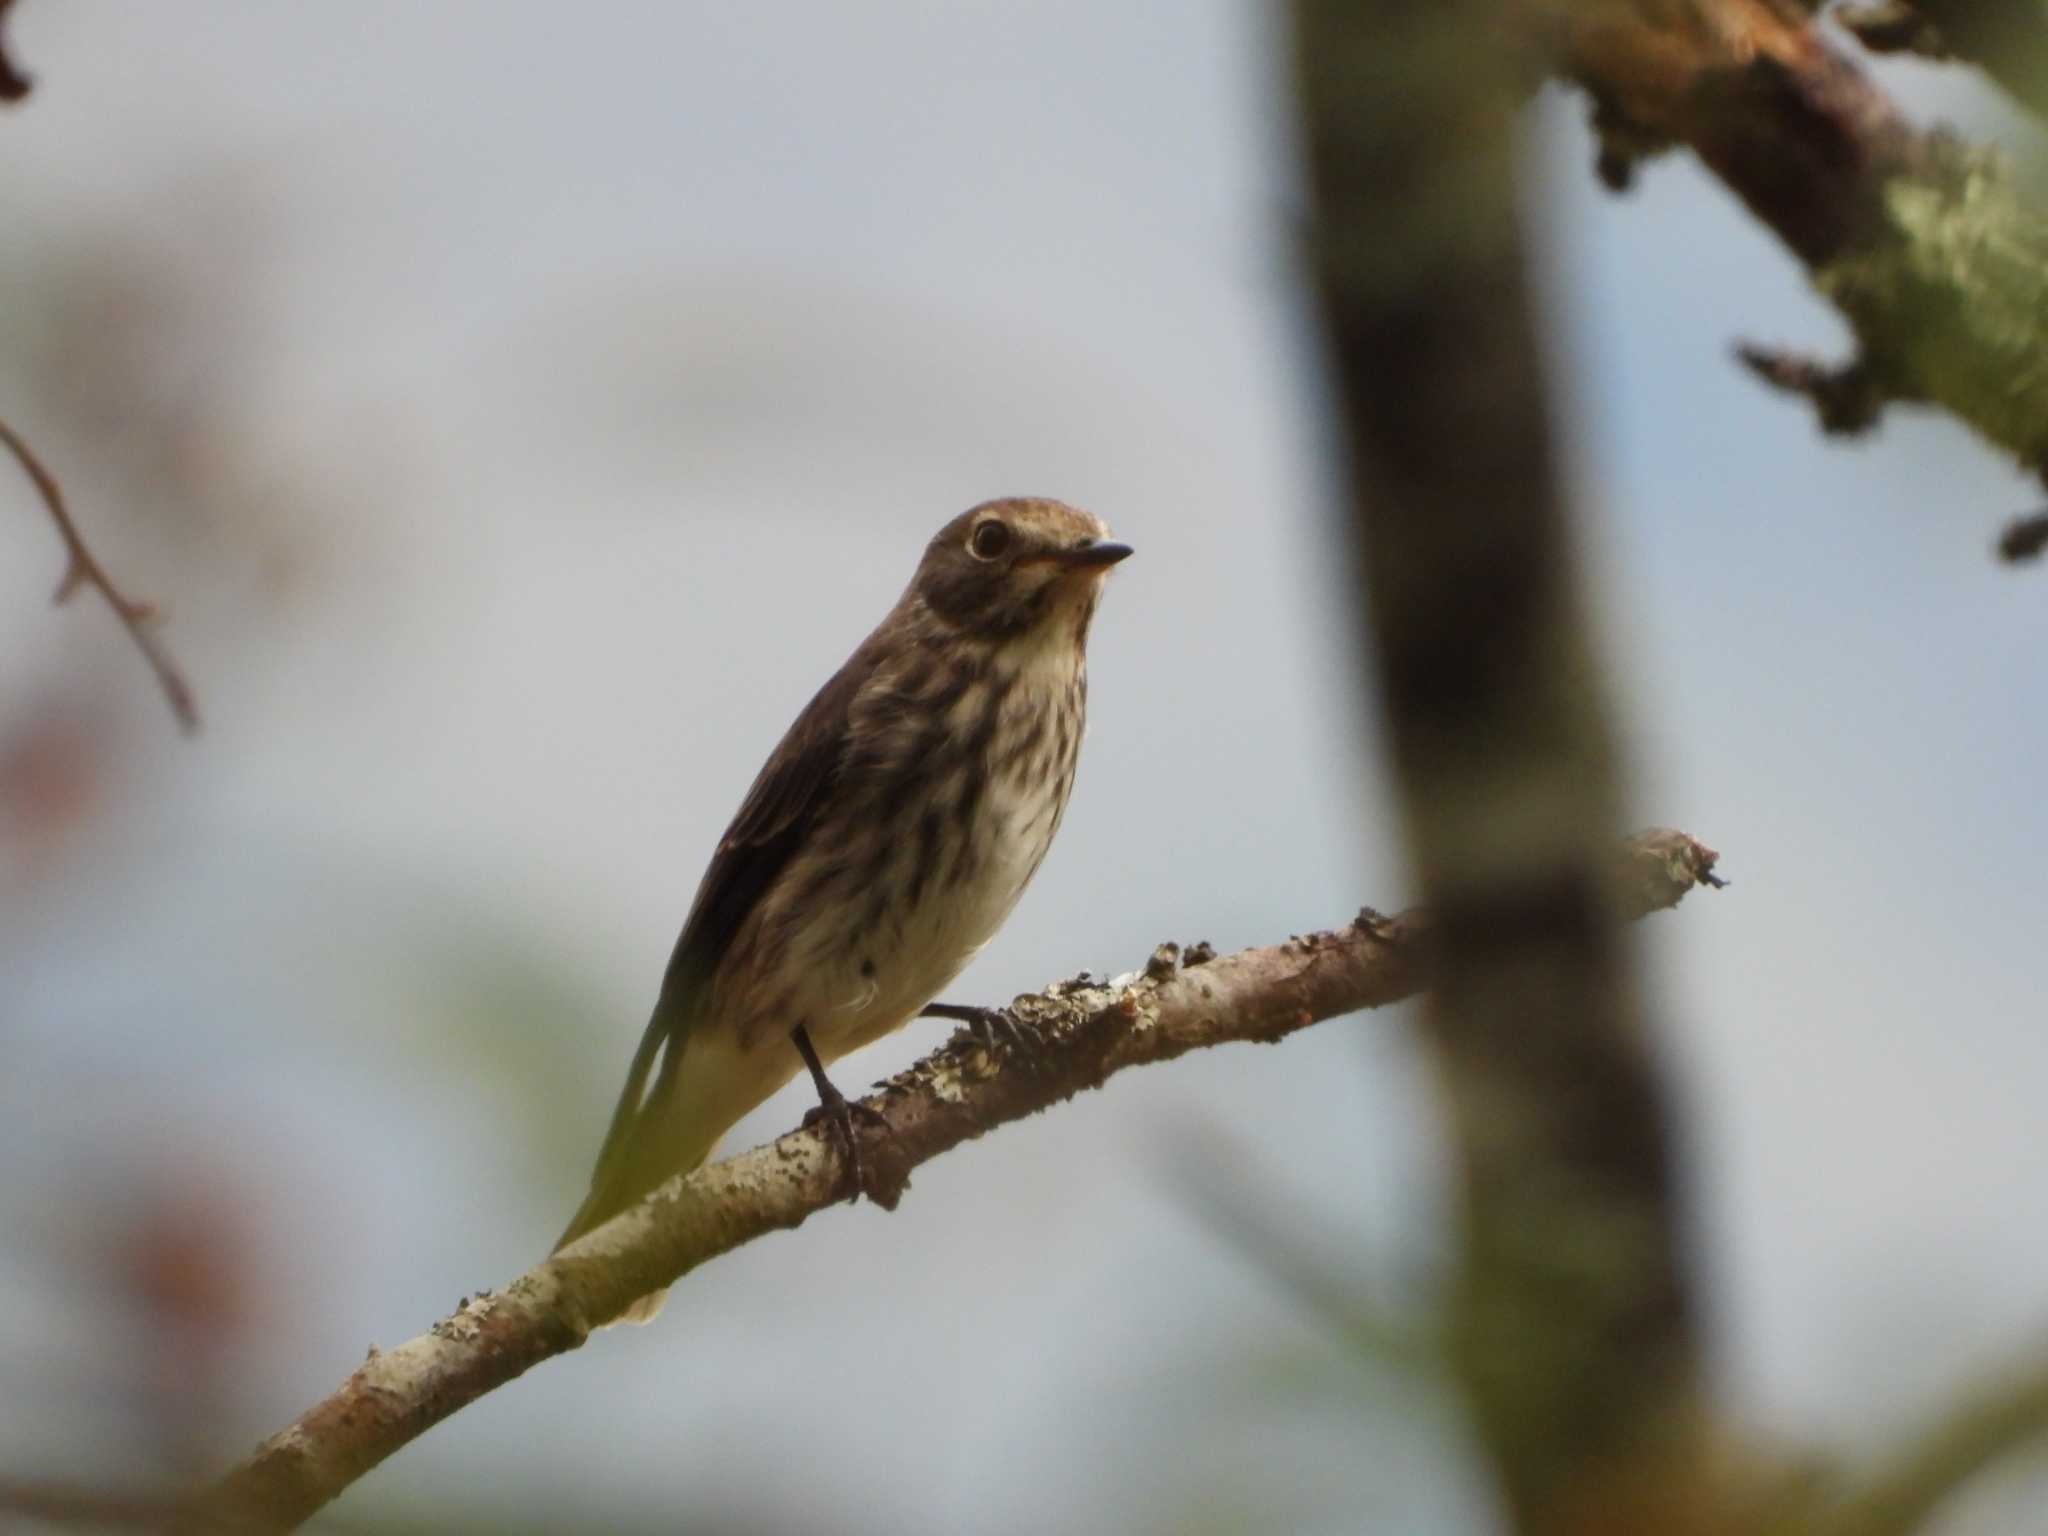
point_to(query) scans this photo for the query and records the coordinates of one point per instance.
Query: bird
(881, 846)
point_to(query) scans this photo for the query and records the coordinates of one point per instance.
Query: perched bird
(883, 843)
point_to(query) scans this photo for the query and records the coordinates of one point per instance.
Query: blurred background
(520, 410)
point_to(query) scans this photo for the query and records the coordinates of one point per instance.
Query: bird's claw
(1004, 1025)
(992, 1028)
(840, 1112)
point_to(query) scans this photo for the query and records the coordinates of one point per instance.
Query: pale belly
(859, 987)
(940, 934)
(907, 904)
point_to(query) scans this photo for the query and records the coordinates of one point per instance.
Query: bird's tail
(657, 1131)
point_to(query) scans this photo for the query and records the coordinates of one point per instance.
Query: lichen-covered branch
(1928, 247)
(2007, 39)
(1180, 1002)
(83, 569)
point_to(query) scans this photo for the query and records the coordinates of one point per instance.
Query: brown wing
(771, 824)
(779, 811)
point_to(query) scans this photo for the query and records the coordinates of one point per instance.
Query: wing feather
(779, 811)
(771, 824)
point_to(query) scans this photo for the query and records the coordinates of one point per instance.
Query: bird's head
(1005, 569)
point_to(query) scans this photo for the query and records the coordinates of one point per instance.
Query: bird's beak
(1090, 557)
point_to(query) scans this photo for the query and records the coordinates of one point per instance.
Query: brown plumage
(882, 844)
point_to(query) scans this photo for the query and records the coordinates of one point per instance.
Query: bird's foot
(837, 1110)
(835, 1107)
(990, 1026)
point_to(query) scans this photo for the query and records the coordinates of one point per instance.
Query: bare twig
(1092, 1030)
(1892, 26)
(1846, 399)
(83, 570)
(2023, 538)
(64, 1504)
(13, 83)
(1996, 1419)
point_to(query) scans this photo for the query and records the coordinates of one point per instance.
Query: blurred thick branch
(1179, 1003)
(1926, 245)
(1576, 1341)
(83, 569)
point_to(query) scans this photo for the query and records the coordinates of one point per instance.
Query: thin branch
(1845, 399)
(1217, 1181)
(1092, 1030)
(83, 570)
(13, 83)
(2023, 538)
(1892, 26)
(1927, 246)
(66, 1504)
(1995, 1420)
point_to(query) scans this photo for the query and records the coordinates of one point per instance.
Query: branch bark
(1178, 1003)
(1926, 246)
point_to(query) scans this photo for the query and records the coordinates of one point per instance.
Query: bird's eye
(989, 539)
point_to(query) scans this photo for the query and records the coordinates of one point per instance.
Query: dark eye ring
(989, 539)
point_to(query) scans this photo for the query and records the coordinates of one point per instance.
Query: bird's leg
(837, 1108)
(988, 1024)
